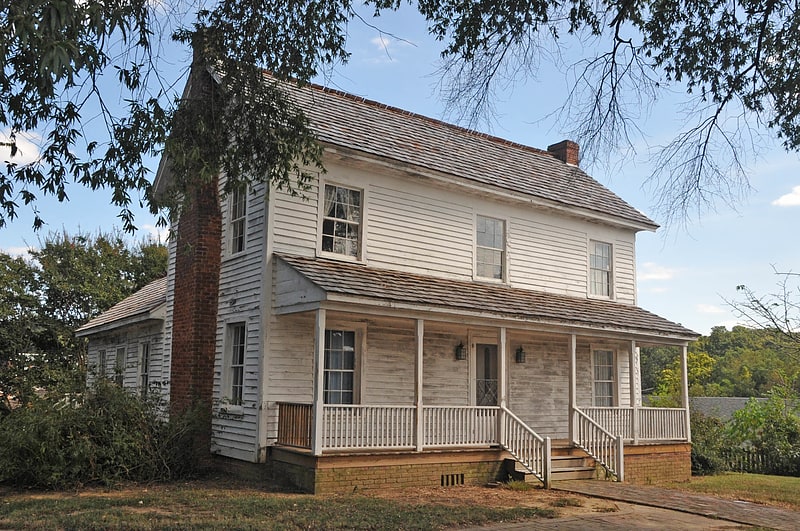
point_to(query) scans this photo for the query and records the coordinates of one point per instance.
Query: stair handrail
(603, 446)
(528, 448)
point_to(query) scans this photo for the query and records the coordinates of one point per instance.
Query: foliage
(778, 311)
(668, 388)
(56, 54)
(708, 442)
(743, 362)
(771, 427)
(69, 280)
(102, 436)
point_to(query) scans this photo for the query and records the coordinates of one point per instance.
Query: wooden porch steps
(566, 463)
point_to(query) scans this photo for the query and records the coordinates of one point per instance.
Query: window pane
(341, 224)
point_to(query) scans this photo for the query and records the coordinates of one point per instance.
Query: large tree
(68, 280)
(738, 62)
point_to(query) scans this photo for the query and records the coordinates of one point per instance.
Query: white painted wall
(416, 226)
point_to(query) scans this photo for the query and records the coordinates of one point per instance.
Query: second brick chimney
(565, 151)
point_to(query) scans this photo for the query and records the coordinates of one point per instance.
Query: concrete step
(577, 472)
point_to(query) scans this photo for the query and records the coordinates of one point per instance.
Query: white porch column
(319, 379)
(573, 390)
(502, 380)
(634, 379)
(685, 391)
(420, 427)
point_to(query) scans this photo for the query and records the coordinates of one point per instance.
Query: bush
(102, 436)
(708, 443)
(771, 429)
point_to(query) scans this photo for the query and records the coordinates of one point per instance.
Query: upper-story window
(600, 259)
(238, 225)
(490, 238)
(341, 221)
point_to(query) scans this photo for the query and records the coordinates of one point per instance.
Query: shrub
(101, 436)
(708, 442)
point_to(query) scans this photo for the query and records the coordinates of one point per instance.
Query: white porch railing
(603, 446)
(353, 427)
(528, 447)
(459, 426)
(654, 423)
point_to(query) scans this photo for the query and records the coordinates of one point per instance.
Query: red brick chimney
(196, 293)
(565, 151)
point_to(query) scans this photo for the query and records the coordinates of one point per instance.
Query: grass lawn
(221, 505)
(779, 491)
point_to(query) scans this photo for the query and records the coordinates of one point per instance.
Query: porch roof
(351, 282)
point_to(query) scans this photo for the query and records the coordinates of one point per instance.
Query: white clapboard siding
(129, 338)
(445, 379)
(624, 271)
(539, 388)
(388, 365)
(546, 256)
(414, 226)
(295, 222)
(424, 229)
(234, 430)
(161, 365)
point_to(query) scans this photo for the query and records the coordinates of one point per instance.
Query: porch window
(490, 239)
(144, 368)
(237, 334)
(238, 225)
(340, 366)
(341, 221)
(119, 367)
(603, 362)
(600, 269)
(485, 375)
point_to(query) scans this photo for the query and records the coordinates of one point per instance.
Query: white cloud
(22, 252)
(709, 308)
(387, 48)
(653, 271)
(27, 150)
(790, 199)
(159, 234)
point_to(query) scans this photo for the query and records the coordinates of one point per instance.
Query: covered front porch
(420, 379)
(321, 428)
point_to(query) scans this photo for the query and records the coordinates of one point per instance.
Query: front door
(485, 374)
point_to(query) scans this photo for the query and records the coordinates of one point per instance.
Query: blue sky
(684, 273)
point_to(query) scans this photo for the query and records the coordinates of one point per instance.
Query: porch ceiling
(331, 280)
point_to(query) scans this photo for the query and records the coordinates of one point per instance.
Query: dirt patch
(564, 504)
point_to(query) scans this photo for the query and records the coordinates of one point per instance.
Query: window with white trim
(238, 218)
(603, 378)
(119, 367)
(490, 249)
(144, 368)
(600, 259)
(237, 335)
(340, 367)
(341, 221)
(101, 362)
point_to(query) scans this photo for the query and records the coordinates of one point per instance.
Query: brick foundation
(653, 464)
(348, 473)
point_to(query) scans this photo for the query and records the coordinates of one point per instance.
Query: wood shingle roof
(137, 305)
(358, 280)
(355, 123)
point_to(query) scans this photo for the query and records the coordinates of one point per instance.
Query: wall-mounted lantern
(461, 352)
(519, 355)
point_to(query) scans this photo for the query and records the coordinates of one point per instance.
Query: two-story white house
(442, 307)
